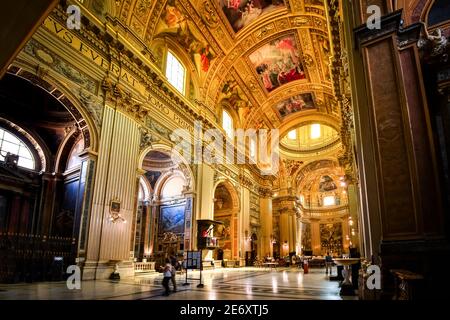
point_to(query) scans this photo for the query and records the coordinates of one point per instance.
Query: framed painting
(172, 219)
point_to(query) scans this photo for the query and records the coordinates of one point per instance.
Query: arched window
(175, 72)
(329, 201)
(74, 158)
(227, 123)
(173, 187)
(292, 135)
(316, 131)
(144, 192)
(252, 148)
(439, 12)
(9, 143)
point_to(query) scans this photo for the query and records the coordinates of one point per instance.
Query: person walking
(167, 273)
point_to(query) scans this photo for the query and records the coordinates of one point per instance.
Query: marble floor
(219, 284)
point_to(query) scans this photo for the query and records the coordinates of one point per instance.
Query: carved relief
(209, 14)
(115, 95)
(93, 105)
(147, 139)
(59, 65)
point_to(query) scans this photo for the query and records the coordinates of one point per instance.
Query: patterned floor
(219, 284)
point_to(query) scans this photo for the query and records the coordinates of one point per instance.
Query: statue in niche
(147, 139)
(327, 184)
(176, 23)
(104, 8)
(434, 45)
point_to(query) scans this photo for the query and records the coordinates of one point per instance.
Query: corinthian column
(266, 225)
(108, 241)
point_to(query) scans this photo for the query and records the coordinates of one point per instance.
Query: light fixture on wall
(350, 221)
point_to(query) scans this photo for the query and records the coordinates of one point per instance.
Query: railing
(30, 258)
(320, 212)
(315, 206)
(140, 267)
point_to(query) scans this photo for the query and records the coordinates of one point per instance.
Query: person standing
(174, 263)
(328, 263)
(167, 273)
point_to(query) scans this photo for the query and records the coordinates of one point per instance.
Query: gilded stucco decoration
(226, 39)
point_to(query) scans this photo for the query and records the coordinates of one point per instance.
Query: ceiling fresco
(252, 55)
(296, 104)
(241, 13)
(268, 60)
(175, 23)
(278, 63)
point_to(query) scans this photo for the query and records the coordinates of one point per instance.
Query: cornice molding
(390, 23)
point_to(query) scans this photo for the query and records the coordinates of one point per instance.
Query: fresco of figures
(177, 24)
(241, 13)
(278, 63)
(327, 184)
(233, 95)
(296, 104)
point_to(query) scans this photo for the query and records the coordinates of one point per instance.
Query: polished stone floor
(219, 284)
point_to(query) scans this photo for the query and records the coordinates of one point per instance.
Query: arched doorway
(226, 209)
(163, 219)
(142, 220)
(45, 178)
(326, 224)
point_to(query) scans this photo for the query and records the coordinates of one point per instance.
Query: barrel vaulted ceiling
(269, 60)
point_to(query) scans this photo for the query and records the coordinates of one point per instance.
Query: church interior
(278, 149)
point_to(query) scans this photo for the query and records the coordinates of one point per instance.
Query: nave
(220, 284)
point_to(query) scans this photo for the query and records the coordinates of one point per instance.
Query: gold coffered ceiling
(269, 62)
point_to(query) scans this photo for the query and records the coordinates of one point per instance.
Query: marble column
(153, 229)
(244, 223)
(284, 232)
(299, 236)
(87, 176)
(188, 220)
(315, 237)
(266, 217)
(108, 242)
(354, 214)
(294, 233)
(205, 203)
(345, 235)
(401, 204)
